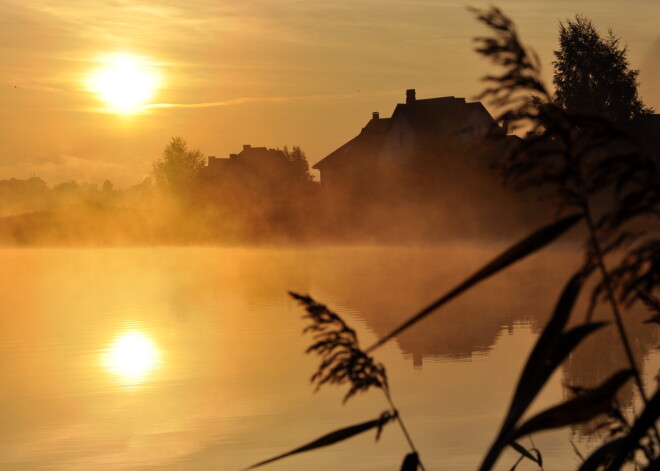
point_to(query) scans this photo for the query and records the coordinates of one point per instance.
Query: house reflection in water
(523, 295)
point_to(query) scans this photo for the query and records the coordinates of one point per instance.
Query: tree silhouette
(178, 167)
(592, 74)
(298, 161)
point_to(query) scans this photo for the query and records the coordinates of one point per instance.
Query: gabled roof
(439, 115)
(368, 141)
(432, 117)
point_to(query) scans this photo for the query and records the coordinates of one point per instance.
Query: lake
(193, 358)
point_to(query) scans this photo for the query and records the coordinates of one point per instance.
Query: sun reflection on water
(132, 356)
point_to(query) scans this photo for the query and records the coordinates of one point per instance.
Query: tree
(592, 75)
(298, 161)
(178, 166)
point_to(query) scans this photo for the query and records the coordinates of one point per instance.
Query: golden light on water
(132, 356)
(125, 82)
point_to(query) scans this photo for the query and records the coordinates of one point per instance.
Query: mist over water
(192, 358)
(253, 204)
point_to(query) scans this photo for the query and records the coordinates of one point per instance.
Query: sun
(132, 356)
(125, 82)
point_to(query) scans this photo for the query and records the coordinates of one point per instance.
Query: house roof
(427, 117)
(440, 115)
(369, 140)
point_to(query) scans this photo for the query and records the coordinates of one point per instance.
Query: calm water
(192, 358)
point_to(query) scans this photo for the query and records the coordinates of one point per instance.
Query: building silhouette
(422, 142)
(425, 173)
(254, 167)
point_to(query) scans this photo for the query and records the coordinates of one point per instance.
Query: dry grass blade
(543, 360)
(579, 409)
(640, 428)
(525, 452)
(602, 455)
(552, 347)
(334, 437)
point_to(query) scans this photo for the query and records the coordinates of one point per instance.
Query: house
(255, 171)
(422, 141)
(253, 165)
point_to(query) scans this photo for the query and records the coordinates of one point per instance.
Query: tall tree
(592, 75)
(178, 166)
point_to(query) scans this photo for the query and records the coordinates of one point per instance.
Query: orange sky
(260, 72)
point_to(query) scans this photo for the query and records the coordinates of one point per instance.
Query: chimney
(246, 146)
(375, 115)
(410, 96)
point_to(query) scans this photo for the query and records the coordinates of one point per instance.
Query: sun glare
(125, 82)
(132, 356)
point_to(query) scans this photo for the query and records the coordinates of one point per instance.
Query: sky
(260, 72)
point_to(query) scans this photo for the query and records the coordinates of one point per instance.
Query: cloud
(214, 104)
(277, 99)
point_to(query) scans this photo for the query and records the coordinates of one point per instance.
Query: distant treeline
(258, 196)
(145, 215)
(70, 213)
